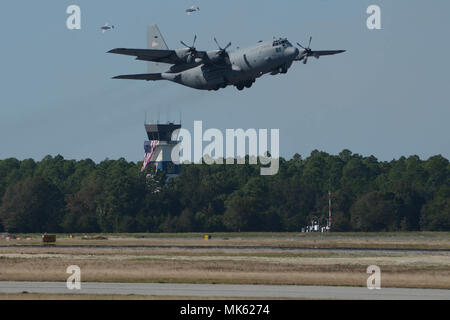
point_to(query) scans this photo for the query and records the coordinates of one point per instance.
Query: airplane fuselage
(241, 69)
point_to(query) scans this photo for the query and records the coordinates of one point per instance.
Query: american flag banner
(148, 155)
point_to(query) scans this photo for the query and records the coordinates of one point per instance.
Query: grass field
(340, 259)
(401, 240)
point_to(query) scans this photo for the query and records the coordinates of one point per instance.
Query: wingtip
(116, 50)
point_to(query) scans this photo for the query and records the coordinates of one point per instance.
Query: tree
(357, 176)
(32, 205)
(82, 207)
(435, 215)
(240, 214)
(114, 196)
(437, 168)
(9, 174)
(341, 222)
(374, 211)
(185, 222)
(122, 196)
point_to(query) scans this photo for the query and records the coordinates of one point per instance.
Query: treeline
(58, 195)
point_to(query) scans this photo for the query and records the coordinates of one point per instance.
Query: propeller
(222, 50)
(192, 49)
(308, 52)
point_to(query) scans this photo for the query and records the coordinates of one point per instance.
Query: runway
(227, 291)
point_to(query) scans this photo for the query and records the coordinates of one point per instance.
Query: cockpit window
(282, 42)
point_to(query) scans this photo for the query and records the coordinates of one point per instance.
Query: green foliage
(436, 213)
(55, 194)
(32, 205)
(375, 211)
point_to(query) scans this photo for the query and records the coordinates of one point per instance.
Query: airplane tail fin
(155, 40)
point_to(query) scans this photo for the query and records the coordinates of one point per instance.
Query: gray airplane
(216, 69)
(192, 10)
(106, 27)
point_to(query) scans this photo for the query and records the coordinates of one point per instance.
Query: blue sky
(387, 96)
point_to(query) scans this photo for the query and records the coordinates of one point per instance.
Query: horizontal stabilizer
(151, 53)
(155, 55)
(144, 76)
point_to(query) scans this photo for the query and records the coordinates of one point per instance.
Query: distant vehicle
(216, 69)
(106, 27)
(192, 10)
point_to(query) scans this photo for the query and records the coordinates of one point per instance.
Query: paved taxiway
(231, 291)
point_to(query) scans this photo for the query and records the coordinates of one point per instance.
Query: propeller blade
(222, 50)
(217, 43)
(301, 46)
(309, 45)
(192, 48)
(305, 61)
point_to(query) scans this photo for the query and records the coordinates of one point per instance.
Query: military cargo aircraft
(216, 69)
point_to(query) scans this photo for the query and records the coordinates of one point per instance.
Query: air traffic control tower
(159, 147)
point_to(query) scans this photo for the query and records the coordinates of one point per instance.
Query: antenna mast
(329, 211)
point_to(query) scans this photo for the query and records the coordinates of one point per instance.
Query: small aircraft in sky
(216, 69)
(106, 27)
(192, 10)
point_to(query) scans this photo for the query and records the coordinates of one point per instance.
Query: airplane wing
(326, 53)
(145, 76)
(318, 54)
(155, 55)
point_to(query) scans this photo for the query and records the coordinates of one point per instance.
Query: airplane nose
(292, 52)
